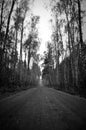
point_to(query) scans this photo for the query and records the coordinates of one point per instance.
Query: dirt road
(42, 109)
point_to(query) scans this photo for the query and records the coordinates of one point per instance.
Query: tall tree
(1, 19)
(48, 70)
(32, 43)
(8, 23)
(24, 9)
(80, 22)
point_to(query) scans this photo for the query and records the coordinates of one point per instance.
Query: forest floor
(42, 108)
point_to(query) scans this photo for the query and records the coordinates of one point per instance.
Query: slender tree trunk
(21, 66)
(15, 47)
(73, 56)
(1, 21)
(25, 59)
(1, 43)
(8, 23)
(80, 64)
(21, 41)
(80, 23)
(16, 40)
(57, 53)
(29, 56)
(69, 45)
(57, 68)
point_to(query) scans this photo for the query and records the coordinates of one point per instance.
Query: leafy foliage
(69, 56)
(14, 73)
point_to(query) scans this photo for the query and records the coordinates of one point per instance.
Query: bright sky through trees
(44, 27)
(38, 7)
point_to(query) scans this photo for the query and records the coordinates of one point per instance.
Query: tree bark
(21, 40)
(29, 56)
(8, 23)
(80, 23)
(1, 22)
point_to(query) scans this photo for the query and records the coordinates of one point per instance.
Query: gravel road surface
(42, 108)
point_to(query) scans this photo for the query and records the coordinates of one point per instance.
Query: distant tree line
(65, 59)
(14, 71)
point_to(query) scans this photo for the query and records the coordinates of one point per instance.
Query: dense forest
(64, 62)
(16, 51)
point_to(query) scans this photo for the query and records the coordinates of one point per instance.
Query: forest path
(42, 108)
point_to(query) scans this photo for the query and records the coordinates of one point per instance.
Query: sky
(44, 26)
